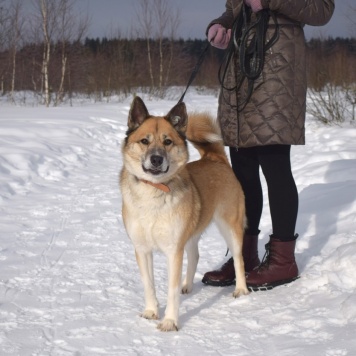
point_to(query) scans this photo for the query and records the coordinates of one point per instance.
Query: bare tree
(59, 25)
(174, 25)
(4, 31)
(4, 19)
(158, 22)
(70, 29)
(145, 20)
(351, 16)
(162, 14)
(15, 35)
(45, 17)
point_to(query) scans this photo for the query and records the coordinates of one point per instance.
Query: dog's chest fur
(152, 217)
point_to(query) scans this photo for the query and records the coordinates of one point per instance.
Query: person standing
(262, 105)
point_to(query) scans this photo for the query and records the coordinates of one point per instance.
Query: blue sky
(109, 16)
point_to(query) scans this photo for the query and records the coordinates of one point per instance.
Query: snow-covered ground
(69, 284)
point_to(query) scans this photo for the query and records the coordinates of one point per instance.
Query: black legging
(282, 191)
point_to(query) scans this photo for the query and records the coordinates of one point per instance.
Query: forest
(103, 67)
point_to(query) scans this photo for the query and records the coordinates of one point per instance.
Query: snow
(69, 283)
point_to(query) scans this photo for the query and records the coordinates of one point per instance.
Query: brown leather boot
(225, 275)
(277, 268)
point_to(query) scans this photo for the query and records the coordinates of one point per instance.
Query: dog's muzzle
(155, 164)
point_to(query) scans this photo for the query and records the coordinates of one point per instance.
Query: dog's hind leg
(175, 262)
(241, 288)
(192, 251)
(232, 229)
(145, 263)
(237, 232)
(236, 251)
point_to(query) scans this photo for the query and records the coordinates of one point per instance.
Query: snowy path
(62, 257)
(69, 284)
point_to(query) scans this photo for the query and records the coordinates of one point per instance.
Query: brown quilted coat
(275, 113)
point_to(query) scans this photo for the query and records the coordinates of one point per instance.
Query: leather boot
(278, 266)
(225, 275)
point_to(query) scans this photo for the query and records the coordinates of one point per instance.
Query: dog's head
(155, 147)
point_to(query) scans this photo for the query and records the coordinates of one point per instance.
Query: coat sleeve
(227, 18)
(310, 12)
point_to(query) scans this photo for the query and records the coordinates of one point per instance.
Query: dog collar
(159, 186)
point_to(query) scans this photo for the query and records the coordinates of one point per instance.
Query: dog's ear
(178, 117)
(138, 113)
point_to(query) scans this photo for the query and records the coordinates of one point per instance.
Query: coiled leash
(248, 42)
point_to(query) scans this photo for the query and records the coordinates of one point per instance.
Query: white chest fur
(152, 218)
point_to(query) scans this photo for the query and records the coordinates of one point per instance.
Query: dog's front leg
(175, 262)
(192, 250)
(145, 263)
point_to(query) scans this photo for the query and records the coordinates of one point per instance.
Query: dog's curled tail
(204, 133)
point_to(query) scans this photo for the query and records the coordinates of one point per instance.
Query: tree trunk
(46, 50)
(60, 93)
(150, 64)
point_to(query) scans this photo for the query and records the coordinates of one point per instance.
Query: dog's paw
(167, 325)
(150, 314)
(238, 292)
(186, 288)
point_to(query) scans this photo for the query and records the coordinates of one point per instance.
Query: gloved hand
(218, 36)
(255, 5)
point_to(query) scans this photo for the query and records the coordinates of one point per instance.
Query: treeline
(104, 67)
(331, 61)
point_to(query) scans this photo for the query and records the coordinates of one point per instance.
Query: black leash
(195, 71)
(248, 41)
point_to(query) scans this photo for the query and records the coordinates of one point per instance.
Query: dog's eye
(144, 141)
(167, 142)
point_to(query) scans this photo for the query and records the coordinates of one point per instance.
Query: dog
(167, 202)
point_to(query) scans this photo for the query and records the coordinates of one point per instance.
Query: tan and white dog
(167, 202)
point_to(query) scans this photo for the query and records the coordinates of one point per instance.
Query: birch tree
(158, 22)
(59, 25)
(15, 36)
(145, 21)
(4, 24)
(4, 31)
(45, 17)
(71, 28)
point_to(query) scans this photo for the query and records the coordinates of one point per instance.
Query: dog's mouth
(154, 170)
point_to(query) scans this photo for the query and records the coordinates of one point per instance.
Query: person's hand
(218, 36)
(255, 5)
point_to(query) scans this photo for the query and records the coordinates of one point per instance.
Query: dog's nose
(156, 161)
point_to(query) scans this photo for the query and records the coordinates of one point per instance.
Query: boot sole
(269, 286)
(218, 284)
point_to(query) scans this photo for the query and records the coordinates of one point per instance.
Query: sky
(111, 16)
